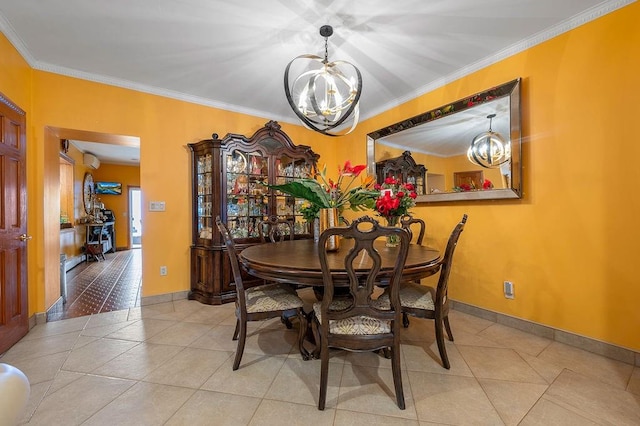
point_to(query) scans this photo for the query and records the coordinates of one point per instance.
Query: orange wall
(119, 204)
(164, 127)
(569, 245)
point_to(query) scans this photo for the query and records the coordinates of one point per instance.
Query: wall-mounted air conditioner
(91, 160)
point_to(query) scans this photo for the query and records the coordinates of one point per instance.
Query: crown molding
(551, 32)
(567, 25)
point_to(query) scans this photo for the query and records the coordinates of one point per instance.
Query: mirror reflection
(440, 140)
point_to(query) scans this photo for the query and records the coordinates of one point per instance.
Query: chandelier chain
(326, 50)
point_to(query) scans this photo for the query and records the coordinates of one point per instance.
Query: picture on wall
(110, 188)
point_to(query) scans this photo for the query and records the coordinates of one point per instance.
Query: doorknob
(24, 237)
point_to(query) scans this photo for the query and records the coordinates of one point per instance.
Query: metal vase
(329, 218)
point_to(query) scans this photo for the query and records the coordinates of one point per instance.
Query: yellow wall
(568, 245)
(164, 127)
(128, 176)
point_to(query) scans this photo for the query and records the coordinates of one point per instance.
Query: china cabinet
(404, 169)
(230, 178)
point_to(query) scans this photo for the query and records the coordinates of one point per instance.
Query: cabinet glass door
(288, 207)
(247, 197)
(205, 198)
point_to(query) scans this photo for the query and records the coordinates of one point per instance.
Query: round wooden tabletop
(297, 261)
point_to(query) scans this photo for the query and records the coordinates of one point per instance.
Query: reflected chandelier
(489, 149)
(325, 95)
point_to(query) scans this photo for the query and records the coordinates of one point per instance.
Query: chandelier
(489, 149)
(325, 94)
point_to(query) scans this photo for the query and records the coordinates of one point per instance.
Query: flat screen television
(110, 188)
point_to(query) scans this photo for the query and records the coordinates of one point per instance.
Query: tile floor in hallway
(109, 285)
(170, 364)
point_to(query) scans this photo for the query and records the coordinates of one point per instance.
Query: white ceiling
(110, 153)
(232, 55)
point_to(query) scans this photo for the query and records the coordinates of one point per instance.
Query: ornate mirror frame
(504, 97)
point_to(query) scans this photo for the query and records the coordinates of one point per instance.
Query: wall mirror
(439, 139)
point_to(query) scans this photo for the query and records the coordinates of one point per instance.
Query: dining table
(297, 262)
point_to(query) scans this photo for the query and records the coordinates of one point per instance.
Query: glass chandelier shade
(325, 94)
(489, 149)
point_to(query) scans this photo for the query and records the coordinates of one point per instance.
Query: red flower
(487, 184)
(349, 170)
(395, 198)
(390, 181)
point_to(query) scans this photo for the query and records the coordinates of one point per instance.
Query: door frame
(130, 191)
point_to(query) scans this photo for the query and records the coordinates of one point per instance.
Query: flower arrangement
(471, 186)
(323, 192)
(395, 199)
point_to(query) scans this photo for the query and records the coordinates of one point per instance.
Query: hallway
(97, 287)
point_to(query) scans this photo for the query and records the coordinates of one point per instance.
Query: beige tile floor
(170, 364)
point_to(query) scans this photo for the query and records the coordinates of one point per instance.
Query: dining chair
(259, 303)
(407, 222)
(426, 302)
(275, 229)
(272, 230)
(356, 322)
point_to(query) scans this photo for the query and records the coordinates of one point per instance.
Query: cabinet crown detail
(403, 168)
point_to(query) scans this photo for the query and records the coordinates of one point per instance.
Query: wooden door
(14, 315)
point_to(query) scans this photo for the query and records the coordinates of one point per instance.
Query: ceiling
(232, 55)
(110, 153)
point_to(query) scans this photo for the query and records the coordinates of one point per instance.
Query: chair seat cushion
(412, 295)
(270, 289)
(272, 297)
(358, 325)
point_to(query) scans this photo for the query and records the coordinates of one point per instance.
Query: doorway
(135, 217)
(14, 313)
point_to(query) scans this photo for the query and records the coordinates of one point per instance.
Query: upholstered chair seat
(274, 299)
(412, 295)
(357, 325)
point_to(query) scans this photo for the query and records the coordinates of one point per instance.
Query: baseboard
(605, 349)
(55, 309)
(163, 298)
(74, 261)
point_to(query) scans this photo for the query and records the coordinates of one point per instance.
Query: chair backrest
(407, 222)
(447, 259)
(275, 229)
(233, 259)
(363, 232)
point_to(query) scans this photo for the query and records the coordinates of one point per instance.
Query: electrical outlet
(163, 270)
(509, 290)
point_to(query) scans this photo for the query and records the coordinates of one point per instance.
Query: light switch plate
(156, 206)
